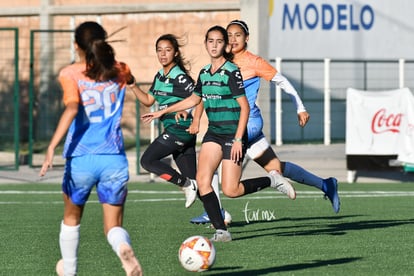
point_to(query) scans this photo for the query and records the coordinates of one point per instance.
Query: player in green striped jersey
(220, 87)
(171, 84)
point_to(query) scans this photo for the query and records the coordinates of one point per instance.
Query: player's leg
(186, 160)
(329, 185)
(69, 237)
(119, 239)
(151, 159)
(261, 152)
(209, 159)
(161, 147)
(112, 192)
(78, 181)
(203, 218)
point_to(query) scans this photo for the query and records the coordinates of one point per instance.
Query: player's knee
(230, 192)
(145, 163)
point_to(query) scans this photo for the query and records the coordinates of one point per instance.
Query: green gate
(50, 51)
(9, 99)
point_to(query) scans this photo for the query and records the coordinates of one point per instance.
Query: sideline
(322, 160)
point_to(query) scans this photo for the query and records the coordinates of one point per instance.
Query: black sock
(253, 185)
(179, 180)
(212, 207)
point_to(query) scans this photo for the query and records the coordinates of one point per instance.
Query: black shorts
(174, 142)
(226, 142)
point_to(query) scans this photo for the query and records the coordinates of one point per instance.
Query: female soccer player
(93, 93)
(253, 68)
(171, 84)
(220, 86)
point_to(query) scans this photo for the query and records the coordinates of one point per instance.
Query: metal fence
(322, 85)
(50, 51)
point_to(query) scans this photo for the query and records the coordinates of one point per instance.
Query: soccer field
(373, 234)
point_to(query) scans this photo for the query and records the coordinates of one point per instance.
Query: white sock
(215, 185)
(69, 243)
(117, 236)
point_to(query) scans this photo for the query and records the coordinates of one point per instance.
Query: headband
(242, 24)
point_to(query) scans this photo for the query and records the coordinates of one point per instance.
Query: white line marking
(265, 195)
(273, 193)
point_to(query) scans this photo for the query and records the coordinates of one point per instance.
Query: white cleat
(221, 236)
(282, 185)
(190, 193)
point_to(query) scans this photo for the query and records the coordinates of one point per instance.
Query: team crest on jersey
(181, 79)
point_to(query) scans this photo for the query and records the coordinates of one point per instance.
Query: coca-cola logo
(383, 122)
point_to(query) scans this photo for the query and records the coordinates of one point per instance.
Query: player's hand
(181, 115)
(236, 151)
(129, 78)
(147, 118)
(48, 162)
(193, 128)
(303, 118)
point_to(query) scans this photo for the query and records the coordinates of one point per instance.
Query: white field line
(261, 195)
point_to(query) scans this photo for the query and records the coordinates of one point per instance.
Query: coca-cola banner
(380, 123)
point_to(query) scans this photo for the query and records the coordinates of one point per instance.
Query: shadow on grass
(324, 229)
(298, 219)
(291, 267)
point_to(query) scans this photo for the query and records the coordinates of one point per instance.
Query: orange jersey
(70, 76)
(254, 66)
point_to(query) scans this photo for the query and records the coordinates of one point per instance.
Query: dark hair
(242, 24)
(226, 55)
(99, 55)
(178, 59)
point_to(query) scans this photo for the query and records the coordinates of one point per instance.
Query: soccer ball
(197, 253)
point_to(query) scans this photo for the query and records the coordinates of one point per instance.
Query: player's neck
(216, 63)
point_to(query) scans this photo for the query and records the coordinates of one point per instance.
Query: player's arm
(191, 101)
(285, 85)
(195, 124)
(65, 120)
(145, 98)
(236, 149)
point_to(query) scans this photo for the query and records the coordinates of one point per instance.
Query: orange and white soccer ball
(197, 253)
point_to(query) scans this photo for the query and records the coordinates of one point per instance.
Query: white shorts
(257, 148)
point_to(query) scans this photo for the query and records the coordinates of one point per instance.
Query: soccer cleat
(330, 188)
(227, 218)
(129, 262)
(190, 193)
(203, 218)
(282, 185)
(221, 236)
